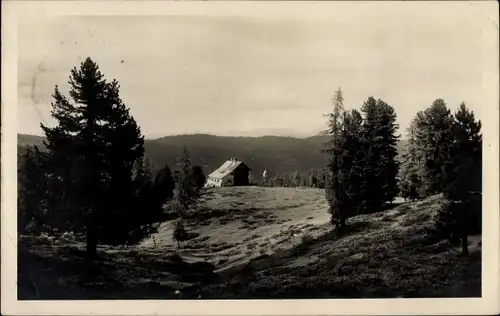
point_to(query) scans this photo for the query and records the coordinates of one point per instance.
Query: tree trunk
(91, 247)
(340, 223)
(463, 243)
(178, 244)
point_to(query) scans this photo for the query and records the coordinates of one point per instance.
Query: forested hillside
(277, 153)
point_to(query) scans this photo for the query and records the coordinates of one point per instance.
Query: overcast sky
(251, 74)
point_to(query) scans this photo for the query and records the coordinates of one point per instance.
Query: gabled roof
(226, 168)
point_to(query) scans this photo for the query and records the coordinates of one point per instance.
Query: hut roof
(226, 169)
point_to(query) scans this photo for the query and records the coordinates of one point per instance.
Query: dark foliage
(32, 185)
(315, 178)
(344, 189)
(362, 159)
(180, 233)
(461, 217)
(434, 139)
(283, 156)
(345, 150)
(198, 177)
(163, 186)
(379, 164)
(410, 175)
(186, 193)
(93, 170)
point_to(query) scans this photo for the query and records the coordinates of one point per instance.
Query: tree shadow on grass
(45, 274)
(349, 229)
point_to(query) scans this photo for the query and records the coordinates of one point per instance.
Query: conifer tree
(163, 186)
(186, 195)
(333, 188)
(93, 149)
(198, 177)
(464, 174)
(348, 170)
(142, 201)
(434, 138)
(380, 167)
(180, 232)
(32, 179)
(342, 183)
(411, 169)
(461, 216)
(142, 178)
(335, 120)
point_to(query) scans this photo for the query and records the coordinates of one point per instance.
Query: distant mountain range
(253, 133)
(276, 153)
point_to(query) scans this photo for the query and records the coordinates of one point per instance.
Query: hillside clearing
(285, 235)
(238, 224)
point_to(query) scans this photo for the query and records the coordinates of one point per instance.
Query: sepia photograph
(281, 151)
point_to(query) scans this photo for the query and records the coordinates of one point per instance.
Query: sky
(272, 73)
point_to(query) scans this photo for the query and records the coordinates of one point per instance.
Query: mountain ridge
(276, 153)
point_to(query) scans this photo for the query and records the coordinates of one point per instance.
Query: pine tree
(410, 180)
(333, 191)
(163, 186)
(142, 178)
(186, 194)
(462, 176)
(346, 196)
(335, 120)
(142, 200)
(180, 233)
(434, 138)
(93, 149)
(342, 186)
(198, 177)
(33, 182)
(410, 184)
(465, 176)
(380, 167)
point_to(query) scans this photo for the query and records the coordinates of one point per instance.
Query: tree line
(314, 178)
(91, 178)
(443, 155)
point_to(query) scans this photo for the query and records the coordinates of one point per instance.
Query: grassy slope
(382, 255)
(387, 254)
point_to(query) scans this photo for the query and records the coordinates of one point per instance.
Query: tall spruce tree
(350, 163)
(333, 191)
(335, 119)
(163, 186)
(462, 176)
(380, 167)
(434, 138)
(93, 149)
(465, 170)
(411, 169)
(186, 195)
(344, 152)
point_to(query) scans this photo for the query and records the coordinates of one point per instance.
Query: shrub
(180, 233)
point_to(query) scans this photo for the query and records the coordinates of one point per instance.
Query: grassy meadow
(263, 243)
